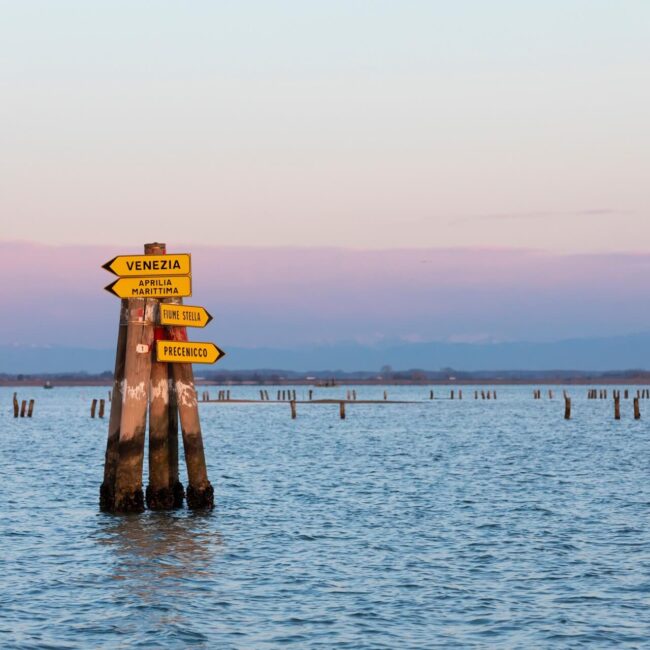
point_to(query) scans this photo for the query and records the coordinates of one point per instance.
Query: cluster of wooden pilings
(22, 409)
(167, 393)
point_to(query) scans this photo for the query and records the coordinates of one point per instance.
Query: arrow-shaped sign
(184, 315)
(162, 287)
(129, 266)
(187, 352)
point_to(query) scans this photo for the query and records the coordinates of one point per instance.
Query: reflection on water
(156, 546)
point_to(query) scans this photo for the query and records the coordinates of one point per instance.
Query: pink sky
(287, 296)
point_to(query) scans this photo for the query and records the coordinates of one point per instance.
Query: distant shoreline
(565, 380)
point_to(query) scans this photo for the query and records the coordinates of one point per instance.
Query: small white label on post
(142, 348)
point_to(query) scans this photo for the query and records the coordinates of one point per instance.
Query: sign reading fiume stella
(152, 287)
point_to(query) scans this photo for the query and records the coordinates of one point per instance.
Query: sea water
(444, 523)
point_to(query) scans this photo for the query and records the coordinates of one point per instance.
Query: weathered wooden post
(475, 394)
(102, 405)
(199, 493)
(311, 394)
(16, 405)
(23, 408)
(160, 488)
(460, 393)
(342, 410)
(451, 395)
(30, 408)
(107, 489)
(617, 407)
(385, 395)
(93, 408)
(637, 411)
(110, 395)
(567, 408)
(293, 409)
(137, 374)
(430, 394)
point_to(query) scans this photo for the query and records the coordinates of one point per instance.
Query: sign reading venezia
(139, 265)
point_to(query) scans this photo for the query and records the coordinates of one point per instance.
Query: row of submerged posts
(153, 375)
(23, 409)
(290, 396)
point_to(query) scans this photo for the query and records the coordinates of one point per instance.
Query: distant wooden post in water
(93, 408)
(30, 408)
(637, 410)
(617, 407)
(567, 407)
(16, 405)
(102, 404)
(342, 410)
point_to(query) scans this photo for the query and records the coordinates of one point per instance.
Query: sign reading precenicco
(187, 352)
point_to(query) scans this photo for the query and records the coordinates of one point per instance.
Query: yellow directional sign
(162, 287)
(187, 352)
(130, 266)
(184, 316)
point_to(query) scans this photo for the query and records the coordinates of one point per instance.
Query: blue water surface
(444, 523)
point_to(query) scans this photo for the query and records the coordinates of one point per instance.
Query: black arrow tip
(209, 316)
(110, 288)
(108, 265)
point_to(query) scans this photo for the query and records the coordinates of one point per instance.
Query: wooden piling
(475, 394)
(199, 493)
(482, 394)
(93, 408)
(430, 394)
(137, 373)
(311, 394)
(107, 489)
(102, 406)
(385, 395)
(451, 395)
(159, 493)
(342, 410)
(293, 409)
(110, 395)
(460, 394)
(23, 408)
(637, 410)
(16, 405)
(617, 407)
(567, 407)
(30, 408)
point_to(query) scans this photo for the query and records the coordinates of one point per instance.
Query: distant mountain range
(597, 354)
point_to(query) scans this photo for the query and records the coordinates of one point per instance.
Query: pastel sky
(340, 170)
(370, 124)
